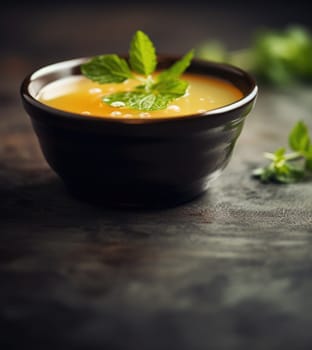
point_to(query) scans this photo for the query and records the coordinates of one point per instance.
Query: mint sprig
(289, 167)
(142, 54)
(106, 69)
(151, 93)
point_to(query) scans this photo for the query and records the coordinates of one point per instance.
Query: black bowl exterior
(160, 163)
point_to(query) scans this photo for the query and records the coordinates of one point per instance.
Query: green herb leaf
(299, 139)
(178, 68)
(175, 88)
(106, 69)
(138, 100)
(156, 97)
(142, 55)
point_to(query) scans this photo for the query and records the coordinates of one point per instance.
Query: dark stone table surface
(230, 270)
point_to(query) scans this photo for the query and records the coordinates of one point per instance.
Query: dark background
(83, 27)
(35, 33)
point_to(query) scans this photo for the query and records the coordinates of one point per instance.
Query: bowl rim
(74, 62)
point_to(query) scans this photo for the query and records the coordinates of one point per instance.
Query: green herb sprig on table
(151, 93)
(289, 167)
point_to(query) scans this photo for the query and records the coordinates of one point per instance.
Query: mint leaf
(175, 88)
(106, 69)
(142, 54)
(156, 97)
(299, 139)
(138, 100)
(178, 68)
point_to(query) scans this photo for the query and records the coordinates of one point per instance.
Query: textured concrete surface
(230, 270)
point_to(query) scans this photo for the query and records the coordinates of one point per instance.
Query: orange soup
(78, 94)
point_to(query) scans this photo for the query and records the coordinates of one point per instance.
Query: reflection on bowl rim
(72, 63)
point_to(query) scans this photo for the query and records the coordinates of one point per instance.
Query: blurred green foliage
(277, 57)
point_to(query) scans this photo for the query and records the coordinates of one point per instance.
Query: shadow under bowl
(138, 162)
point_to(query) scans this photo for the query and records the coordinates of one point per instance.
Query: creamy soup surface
(80, 95)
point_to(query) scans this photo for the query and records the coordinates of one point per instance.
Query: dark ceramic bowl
(150, 162)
